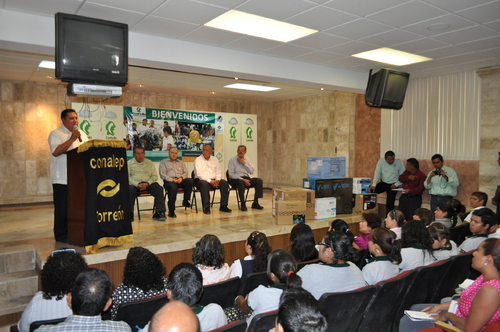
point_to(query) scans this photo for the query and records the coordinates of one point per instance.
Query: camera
(437, 172)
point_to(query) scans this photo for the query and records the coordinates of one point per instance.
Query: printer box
(296, 194)
(325, 208)
(341, 189)
(325, 167)
(289, 212)
(361, 185)
(365, 203)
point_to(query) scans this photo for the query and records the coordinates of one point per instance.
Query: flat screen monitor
(387, 89)
(90, 50)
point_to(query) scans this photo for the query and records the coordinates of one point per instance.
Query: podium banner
(107, 204)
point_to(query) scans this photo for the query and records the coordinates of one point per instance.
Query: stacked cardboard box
(365, 203)
(325, 208)
(293, 205)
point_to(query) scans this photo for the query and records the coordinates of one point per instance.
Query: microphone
(75, 127)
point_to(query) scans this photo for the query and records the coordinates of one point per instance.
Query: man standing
(174, 174)
(208, 175)
(388, 171)
(61, 140)
(141, 130)
(240, 168)
(413, 185)
(90, 295)
(442, 182)
(495, 198)
(142, 176)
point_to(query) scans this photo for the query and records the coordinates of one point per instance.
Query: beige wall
(288, 131)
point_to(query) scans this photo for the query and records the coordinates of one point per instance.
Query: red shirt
(416, 186)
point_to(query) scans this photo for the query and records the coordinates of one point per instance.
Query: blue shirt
(390, 172)
(237, 170)
(439, 185)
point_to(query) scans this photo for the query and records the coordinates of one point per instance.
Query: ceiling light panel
(391, 56)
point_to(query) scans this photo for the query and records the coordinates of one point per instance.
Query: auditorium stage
(31, 227)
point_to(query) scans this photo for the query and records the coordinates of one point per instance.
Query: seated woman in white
(386, 253)
(417, 246)
(394, 221)
(443, 247)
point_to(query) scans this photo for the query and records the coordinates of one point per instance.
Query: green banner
(182, 116)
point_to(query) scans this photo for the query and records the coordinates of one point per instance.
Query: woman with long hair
(303, 244)
(394, 221)
(443, 247)
(386, 253)
(257, 248)
(417, 246)
(208, 256)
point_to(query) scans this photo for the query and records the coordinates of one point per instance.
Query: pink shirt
(362, 241)
(468, 295)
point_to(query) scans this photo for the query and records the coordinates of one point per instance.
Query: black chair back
(263, 322)
(345, 310)
(138, 313)
(38, 323)
(466, 232)
(455, 233)
(236, 326)
(363, 254)
(457, 272)
(425, 282)
(221, 293)
(382, 309)
(304, 263)
(252, 281)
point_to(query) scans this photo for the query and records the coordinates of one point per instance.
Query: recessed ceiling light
(438, 26)
(258, 26)
(252, 87)
(390, 56)
(47, 64)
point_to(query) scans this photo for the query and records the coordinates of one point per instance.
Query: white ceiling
(345, 27)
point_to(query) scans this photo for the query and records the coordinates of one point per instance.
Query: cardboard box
(325, 167)
(361, 185)
(289, 212)
(338, 188)
(365, 203)
(296, 194)
(325, 208)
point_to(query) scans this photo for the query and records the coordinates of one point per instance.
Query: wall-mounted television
(386, 89)
(90, 50)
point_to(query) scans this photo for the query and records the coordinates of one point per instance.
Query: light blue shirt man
(389, 172)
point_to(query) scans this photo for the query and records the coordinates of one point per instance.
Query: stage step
(19, 281)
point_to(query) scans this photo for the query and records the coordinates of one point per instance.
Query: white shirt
(236, 268)
(413, 258)
(141, 129)
(263, 299)
(41, 309)
(472, 242)
(211, 317)
(445, 253)
(207, 169)
(166, 141)
(212, 275)
(469, 216)
(379, 269)
(58, 172)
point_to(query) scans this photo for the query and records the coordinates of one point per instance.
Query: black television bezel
(80, 74)
(376, 86)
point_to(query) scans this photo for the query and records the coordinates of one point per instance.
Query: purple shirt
(362, 241)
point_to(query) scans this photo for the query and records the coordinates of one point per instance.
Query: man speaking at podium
(63, 139)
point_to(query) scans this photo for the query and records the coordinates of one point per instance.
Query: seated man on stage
(240, 168)
(174, 174)
(208, 174)
(142, 176)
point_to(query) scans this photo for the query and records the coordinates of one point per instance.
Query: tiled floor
(32, 225)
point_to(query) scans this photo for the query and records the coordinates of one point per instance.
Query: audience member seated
(281, 271)
(459, 210)
(90, 295)
(423, 214)
(175, 316)
(299, 311)
(481, 222)
(479, 304)
(302, 243)
(337, 274)
(208, 256)
(394, 221)
(445, 214)
(58, 275)
(257, 249)
(417, 246)
(478, 200)
(185, 284)
(143, 278)
(370, 222)
(443, 247)
(387, 255)
(339, 225)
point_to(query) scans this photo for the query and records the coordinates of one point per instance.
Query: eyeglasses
(321, 243)
(62, 250)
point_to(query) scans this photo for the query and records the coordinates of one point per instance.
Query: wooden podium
(77, 190)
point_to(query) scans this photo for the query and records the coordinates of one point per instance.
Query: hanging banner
(107, 204)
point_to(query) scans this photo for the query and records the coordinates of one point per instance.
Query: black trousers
(391, 194)
(155, 190)
(204, 188)
(171, 188)
(254, 183)
(60, 196)
(408, 204)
